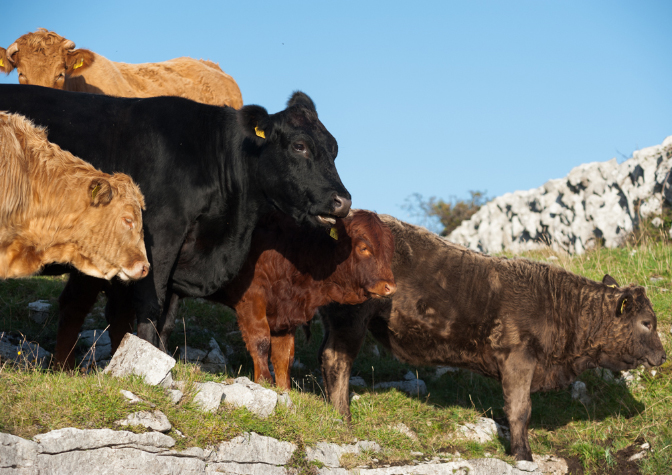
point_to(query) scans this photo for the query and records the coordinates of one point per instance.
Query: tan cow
(56, 208)
(44, 58)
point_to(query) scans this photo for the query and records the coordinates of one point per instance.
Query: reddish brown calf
(292, 270)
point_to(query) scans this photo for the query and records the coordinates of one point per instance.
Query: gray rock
(551, 465)
(192, 355)
(358, 381)
(254, 448)
(403, 428)
(413, 387)
(23, 352)
(209, 395)
(136, 356)
(69, 439)
(256, 398)
(597, 202)
(132, 398)
(17, 456)
(580, 392)
(493, 466)
(330, 454)
(175, 395)
(155, 420)
(441, 370)
(38, 311)
(460, 467)
(285, 400)
(97, 337)
(484, 430)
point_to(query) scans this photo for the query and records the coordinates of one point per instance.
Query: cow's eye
(299, 147)
(648, 325)
(128, 222)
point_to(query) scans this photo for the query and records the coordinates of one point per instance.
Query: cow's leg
(344, 334)
(256, 333)
(119, 313)
(517, 370)
(282, 357)
(167, 322)
(75, 302)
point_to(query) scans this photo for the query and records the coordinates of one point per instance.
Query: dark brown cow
(56, 208)
(531, 325)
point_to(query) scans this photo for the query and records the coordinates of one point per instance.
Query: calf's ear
(624, 304)
(77, 60)
(255, 122)
(610, 281)
(100, 192)
(301, 99)
(6, 65)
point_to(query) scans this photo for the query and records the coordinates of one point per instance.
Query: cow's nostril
(341, 206)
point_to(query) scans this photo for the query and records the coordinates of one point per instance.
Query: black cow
(208, 173)
(532, 326)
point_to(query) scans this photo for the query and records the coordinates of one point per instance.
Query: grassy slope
(36, 401)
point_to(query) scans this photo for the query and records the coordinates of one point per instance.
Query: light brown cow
(56, 208)
(44, 58)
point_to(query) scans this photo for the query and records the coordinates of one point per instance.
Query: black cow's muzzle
(341, 205)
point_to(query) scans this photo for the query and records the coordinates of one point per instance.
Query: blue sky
(436, 98)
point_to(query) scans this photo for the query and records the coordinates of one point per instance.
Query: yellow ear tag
(259, 132)
(2, 63)
(95, 191)
(79, 64)
(623, 305)
(613, 286)
(334, 233)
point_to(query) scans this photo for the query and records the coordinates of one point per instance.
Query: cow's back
(200, 81)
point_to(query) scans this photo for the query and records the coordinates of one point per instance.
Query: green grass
(36, 401)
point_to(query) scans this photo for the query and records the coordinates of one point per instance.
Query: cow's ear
(77, 60)
(100, 192)
(300, 99)
(6, 65)
(610, 281)
(624, 304)
(255, 122)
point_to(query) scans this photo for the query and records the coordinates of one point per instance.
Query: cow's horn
(69, 44)
(11, 50)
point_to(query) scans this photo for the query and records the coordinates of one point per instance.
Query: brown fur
(291, 271)
(45, 58)
(531, 325)
(56, 208)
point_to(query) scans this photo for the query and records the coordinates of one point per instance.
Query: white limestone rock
(254, 448)
(155, 420)
(358, 381)
(484, 430)
(70, 439)
(136, 356)
(23, 352)
(580, 392)
(38, 311)
(413, 387)
(17, 456)
(209, 395)
(596, 202)
(330, 454)
(256, 398)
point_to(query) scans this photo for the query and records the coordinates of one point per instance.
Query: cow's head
(110, 237)
(295, 168)
(371, 248)
(44, 58)
(634, 340)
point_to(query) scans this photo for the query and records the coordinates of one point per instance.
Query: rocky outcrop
(104, 451)
(599, 202)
